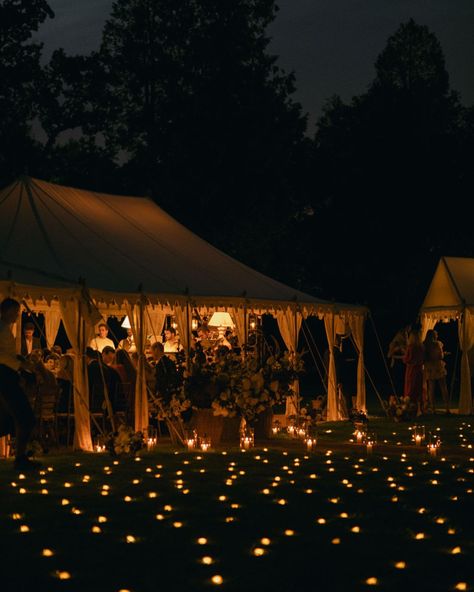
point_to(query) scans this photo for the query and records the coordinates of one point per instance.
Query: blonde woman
(435, 369)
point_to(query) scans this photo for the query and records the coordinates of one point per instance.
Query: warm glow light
(371, 581)
(456, 550)
(207, 560)
(400, 565)
(258, 551)
(47, 553)
(202, 541)
(217, 580)
(63, 575)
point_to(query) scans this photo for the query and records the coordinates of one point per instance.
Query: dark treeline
(184, 102)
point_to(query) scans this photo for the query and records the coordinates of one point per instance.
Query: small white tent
(451, 297)
(137, 260)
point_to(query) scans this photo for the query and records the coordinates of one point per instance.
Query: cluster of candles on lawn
(195, 442)
(419, 437)
(367, 438)
(299, 432)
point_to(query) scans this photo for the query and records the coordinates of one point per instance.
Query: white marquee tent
(67, 253)
(451, 297)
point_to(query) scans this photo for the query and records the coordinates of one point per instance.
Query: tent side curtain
(78, 336)
(136, 315)
(333, 413)
(466, 343)
(356, 324)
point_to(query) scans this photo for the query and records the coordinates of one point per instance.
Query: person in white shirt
(16, 415)
(172, 344)
(100, 341)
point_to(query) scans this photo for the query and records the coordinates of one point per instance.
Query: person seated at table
(28, 340)
(101, 340)
(52, 362)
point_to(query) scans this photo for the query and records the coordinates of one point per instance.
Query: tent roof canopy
(452, 286)
(53, 235)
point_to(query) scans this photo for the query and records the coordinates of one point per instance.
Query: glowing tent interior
(68, 253)
(451, 297)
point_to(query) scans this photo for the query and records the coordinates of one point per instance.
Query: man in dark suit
(28, 340)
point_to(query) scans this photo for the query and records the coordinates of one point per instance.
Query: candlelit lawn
(269, 519)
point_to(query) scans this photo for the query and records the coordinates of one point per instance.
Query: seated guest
(28, 341)
(52, 362)
(101, 340)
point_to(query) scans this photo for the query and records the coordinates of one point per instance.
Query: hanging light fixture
(126, 323)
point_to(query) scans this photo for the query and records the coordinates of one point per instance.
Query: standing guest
(128, 372)
(16, 416)
(28, 340)
(128, 344)
(109, 357)
(172, 344)
(167, 380)
(396, 353)
(101, 376)
(435, 369)
(413, 359)
(101, 340)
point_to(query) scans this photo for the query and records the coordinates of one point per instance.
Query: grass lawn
(275, 518)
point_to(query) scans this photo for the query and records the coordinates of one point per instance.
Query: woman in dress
(435, 369)
(413, 359)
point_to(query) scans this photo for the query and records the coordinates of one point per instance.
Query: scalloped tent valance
(119, 245)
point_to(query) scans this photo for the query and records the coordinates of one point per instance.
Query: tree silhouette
(19, 70)
(392, 173)
(198, 114)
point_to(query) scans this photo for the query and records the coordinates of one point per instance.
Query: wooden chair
(46, 407)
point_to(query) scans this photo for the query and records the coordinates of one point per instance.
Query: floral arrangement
(401, 408)
(234, 385)
(124, 441)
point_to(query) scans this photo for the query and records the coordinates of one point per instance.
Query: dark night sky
(330, 44)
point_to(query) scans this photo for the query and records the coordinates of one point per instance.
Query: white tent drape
(356, 324)
(52, 320)
(289, 324)
(427, 323)
(183, 319)
(3, 447)
(137, 323)
(466, 342)
(240, 318)
(73, 324)
(154, 321)
(333, 413)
